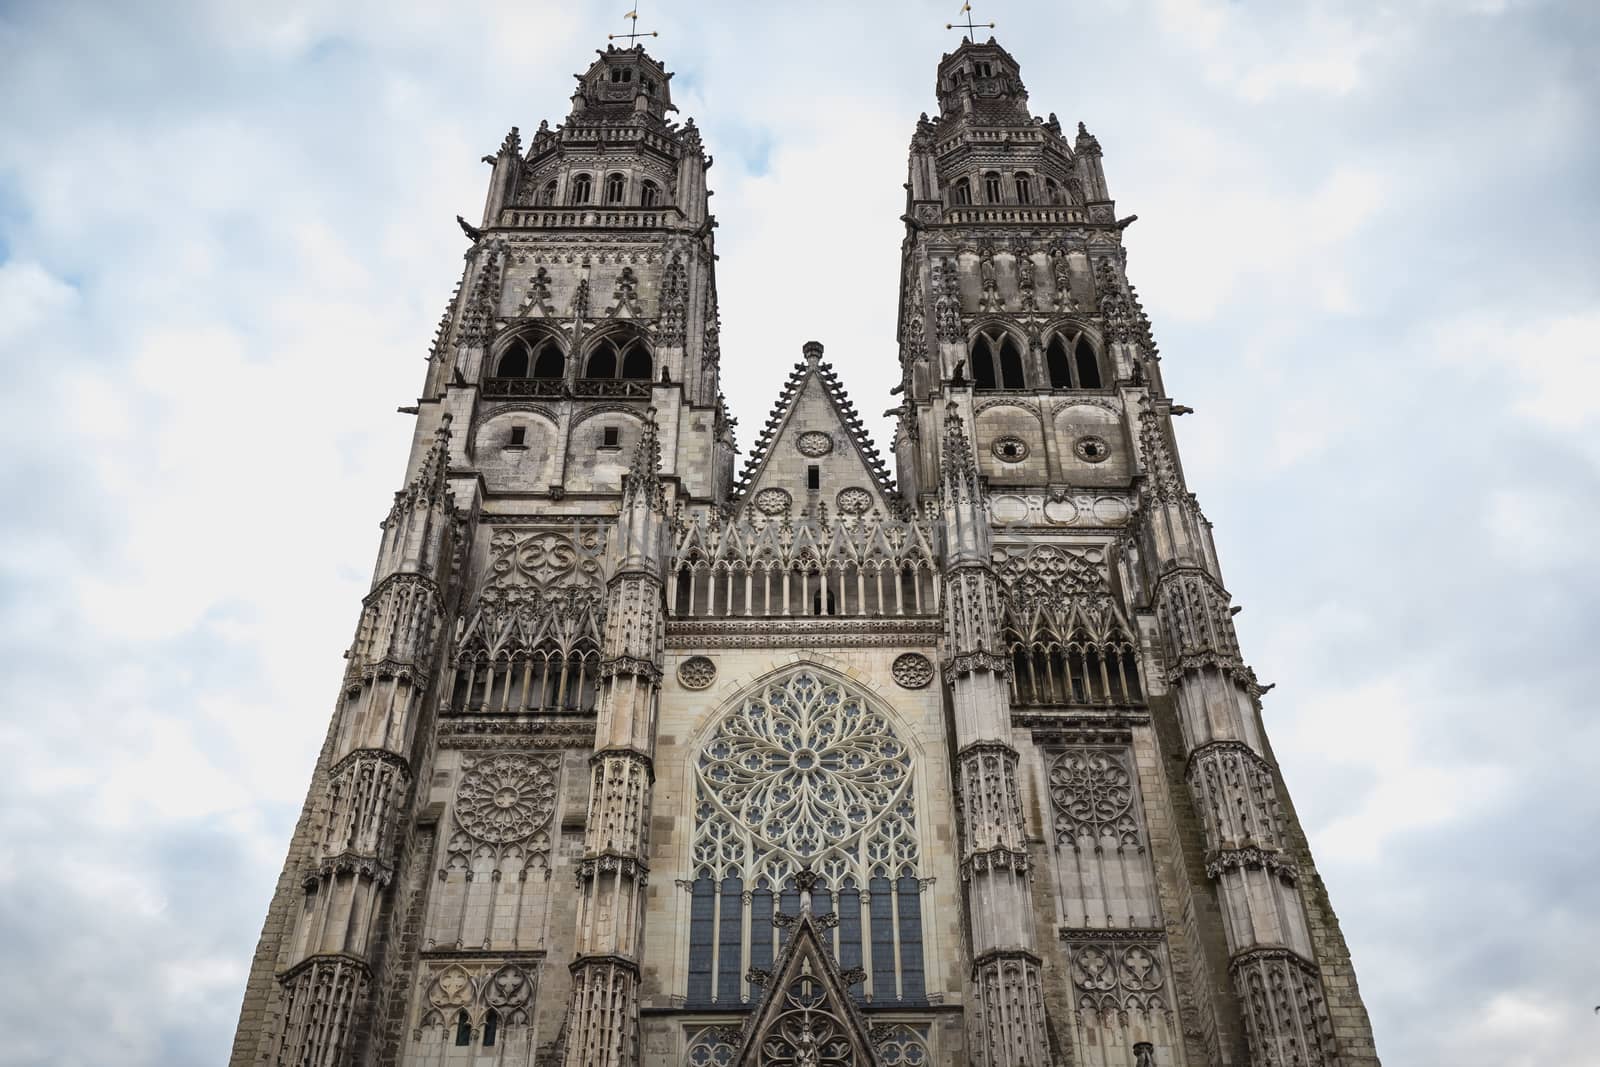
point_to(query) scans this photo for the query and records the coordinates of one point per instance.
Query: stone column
(604, 1019)
(1271, 955)
(328, 946)
(994, 849)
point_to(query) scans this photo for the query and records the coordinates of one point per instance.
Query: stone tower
(639, 762)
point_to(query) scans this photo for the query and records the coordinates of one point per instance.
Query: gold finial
(970, 26)
(635, 35)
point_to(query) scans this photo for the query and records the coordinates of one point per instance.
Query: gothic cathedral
(642, 760)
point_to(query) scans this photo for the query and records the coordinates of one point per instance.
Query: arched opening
(547, 195)
(1024, 188)
(649, 194)
(491, 1028)
(513, 362)
(961, 192)
(636, 362)
(1052, 191)
(992, 187)
(615, 185)
(1011, 376)
(549, 362)
(602, 361)
(1059, 365)
(1088, 365)
(982, 364)
(463, 1029)
(580, 189)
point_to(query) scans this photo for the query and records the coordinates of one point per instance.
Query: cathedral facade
(641, 757)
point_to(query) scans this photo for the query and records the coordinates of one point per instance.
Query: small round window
(1010, 449)
(1092, 449)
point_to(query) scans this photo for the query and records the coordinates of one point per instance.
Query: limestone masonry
(640, 760)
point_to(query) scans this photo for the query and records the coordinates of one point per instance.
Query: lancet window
(992, 187)
(1068, 640)
(1072, 363)
(649, 194)
(531, 644)
(581, 184)
(961, 192)
(616, 188)
(759, 566)
(805, 774)
(547, 195)
(617, 365)
(997, 362)
(523, 358)
(1024, 187)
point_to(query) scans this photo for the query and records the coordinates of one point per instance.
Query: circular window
(773, 501)
(854, 500)
(814, 443)
(1091, 449)
(1010, 449)
(696, 672)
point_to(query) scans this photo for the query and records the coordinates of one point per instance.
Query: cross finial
(970, 26)
(632, 37)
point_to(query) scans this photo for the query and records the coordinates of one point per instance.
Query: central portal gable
(805, 1017)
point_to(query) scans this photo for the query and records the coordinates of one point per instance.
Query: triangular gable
(814, 423)
(805, 1014)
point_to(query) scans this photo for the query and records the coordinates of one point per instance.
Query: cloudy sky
(1367, 239)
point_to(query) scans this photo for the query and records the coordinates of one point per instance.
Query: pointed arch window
(649, 194)
(1052, 191)
(463, 1029)
(997, 362)
(581, 184)
(491, 1028)
(547, 195)
(616, 187)
(549, 361)
(1024, 183)
(619, 357)
(961, 191)
(513, 361)
(992, 187)
(804, 774)
(1073, 363)
(528, 358)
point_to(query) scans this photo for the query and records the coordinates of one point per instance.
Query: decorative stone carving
(672, 317)
(1091, 449)
(773, 501)
(853, 500)
(1010, 449)
(804, 772)
(506, 798)
(901, 1045)
(710, 1047)
(320, 1000)
(1115, 978)
(697, 672)
(814, 443)
(912, 670)
(1091, 795)
(1286, 1010)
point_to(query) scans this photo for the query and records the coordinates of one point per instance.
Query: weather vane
(969, 25)
(632, 37)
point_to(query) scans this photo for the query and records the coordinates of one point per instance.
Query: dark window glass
(519, 435)
(761, 929)
(850, 933)
(963, 192)
(649, 192)
(789, 904)
(1024, 189)
(463, 1030)
(549, 363)
(701, 934)
(882, 940)
(603, 361)
(1011, 365)
(1088, 366)
(580, 189)
(982, 365)
(514, 361)
(615, 184)
(491, 1028)
(636, 363)
(609, 436)
(911, 983)
(991, 187)
(813, 477)
(1060, 367)
(729, 938)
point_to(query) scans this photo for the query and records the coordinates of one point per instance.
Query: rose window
(804, 773)
(505, 798)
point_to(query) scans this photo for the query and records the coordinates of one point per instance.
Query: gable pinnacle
(812, 351)
(644, 473)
